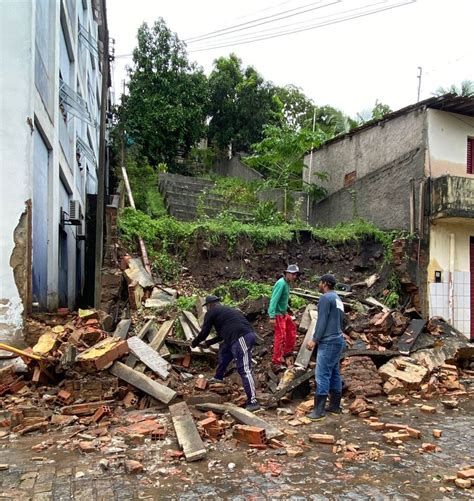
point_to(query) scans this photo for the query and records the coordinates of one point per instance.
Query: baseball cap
(329, 279)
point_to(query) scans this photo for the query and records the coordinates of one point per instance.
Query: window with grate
(470, 155)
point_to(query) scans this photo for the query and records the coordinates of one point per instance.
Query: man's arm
(276, 294)
(324, 307)
(206, 329)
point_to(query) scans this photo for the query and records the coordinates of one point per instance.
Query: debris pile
(115, 381)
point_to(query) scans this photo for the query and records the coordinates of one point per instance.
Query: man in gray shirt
(328, 336)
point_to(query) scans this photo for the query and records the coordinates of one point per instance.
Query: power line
(243, 26)
(320, 25)
(274, 29)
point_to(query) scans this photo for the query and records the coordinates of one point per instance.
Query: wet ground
(230, 471)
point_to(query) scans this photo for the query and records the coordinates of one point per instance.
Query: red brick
(186, 362)
(130, 400)
(101, 412)
(249, 434)
(64, 397)
(201, 383)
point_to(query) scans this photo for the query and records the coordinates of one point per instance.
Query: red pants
(285, 337)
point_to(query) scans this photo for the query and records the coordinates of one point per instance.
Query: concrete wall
(447, 143)
(235, 168)
(445, 248)
(367, 151)
(16, 105)
(382, 197)
(32, 54)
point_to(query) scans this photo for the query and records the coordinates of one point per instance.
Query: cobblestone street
(230, 472)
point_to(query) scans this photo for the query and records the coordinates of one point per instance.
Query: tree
(241, 103)
(165, 111)
(297, 109)
(333, 121)
(280, 157)
(376, 113)
(465, 90)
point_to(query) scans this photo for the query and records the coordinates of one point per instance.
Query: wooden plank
(190, 334)
(306, 318)
(148, 356)
(292, 385)
(186, 432)
(144, 383)
(408, 338)
(147, 327)
(156, 342)
(242, 416)
(192, 321)
(122, 328)
(371, 301)
(304, 355)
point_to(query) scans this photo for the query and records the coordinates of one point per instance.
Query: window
(470, 155)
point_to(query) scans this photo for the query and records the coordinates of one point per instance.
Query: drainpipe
(451, 279)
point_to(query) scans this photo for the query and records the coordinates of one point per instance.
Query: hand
(194, 344)
(272, 321)
(310, 345)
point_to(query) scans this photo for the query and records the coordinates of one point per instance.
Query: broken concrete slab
(406, 370)
(148, 356)
(102, 354)
(122, 328)
(187, 432)
(161, 298)
(408, 338)
(136, 273)
(304, 355)
(144, 383)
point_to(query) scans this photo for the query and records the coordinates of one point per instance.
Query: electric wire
(328, 23)
(294, 25)
(243, 26)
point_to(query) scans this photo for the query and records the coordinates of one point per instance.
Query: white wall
(440, 252)
(25, 108)
(447, 140)
(16, 112)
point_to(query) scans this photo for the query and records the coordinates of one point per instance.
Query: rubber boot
(318, 413)
(334, 402)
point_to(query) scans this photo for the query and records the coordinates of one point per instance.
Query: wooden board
(408, 338)
(306, 318)
(242, 416)
(122, 328)
(144, 383)
(304, 355)
(373, 302)
(148, 356)
(292, 385)
(157, 340)
(190, 334)
(186, 432)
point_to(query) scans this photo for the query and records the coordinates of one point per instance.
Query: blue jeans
(328, 377)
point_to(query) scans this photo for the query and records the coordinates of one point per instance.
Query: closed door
(40, 221)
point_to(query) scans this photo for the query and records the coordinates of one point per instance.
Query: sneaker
(253, 407)
(215, 380)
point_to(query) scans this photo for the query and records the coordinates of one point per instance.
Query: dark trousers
(241, 352)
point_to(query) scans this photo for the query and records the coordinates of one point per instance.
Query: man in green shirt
(285, 328)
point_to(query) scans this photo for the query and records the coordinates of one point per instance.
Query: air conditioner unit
(81, 232)
(75, 214)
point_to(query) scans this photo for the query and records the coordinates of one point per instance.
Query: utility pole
(310, 170)
(419, 82)
(99, 231)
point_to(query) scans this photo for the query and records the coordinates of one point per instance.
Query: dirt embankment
(351, 262)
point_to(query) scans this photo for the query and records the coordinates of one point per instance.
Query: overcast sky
(348, 65)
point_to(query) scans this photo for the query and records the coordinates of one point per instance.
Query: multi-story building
(414, 171)
(50, 103)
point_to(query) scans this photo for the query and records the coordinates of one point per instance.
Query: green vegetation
(392, 299)
(144, 184)
(185, 303)
(167, 237)
(236, 191)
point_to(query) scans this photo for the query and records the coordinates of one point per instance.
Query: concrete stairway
(185, 197)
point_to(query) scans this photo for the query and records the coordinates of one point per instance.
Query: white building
(50, 90)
